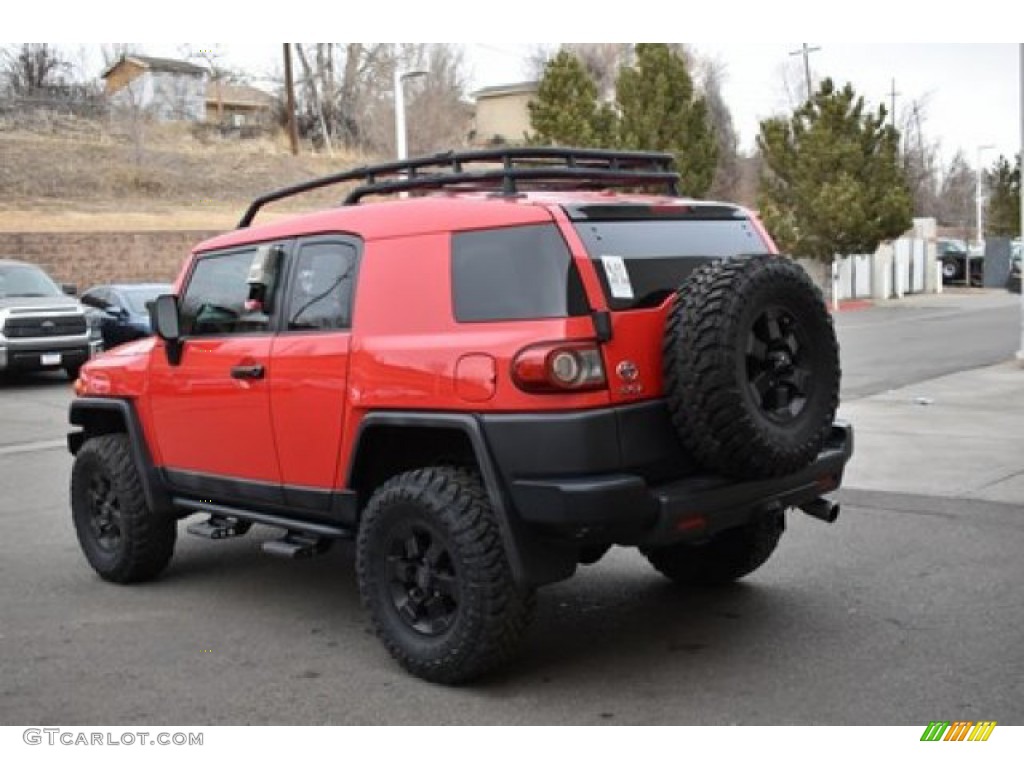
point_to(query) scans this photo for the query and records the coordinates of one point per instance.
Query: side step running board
(297, 546)
(290, 524)
(219, 527)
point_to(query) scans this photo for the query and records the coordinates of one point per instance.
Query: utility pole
(893, 93)
(289, 88)
(806, 52)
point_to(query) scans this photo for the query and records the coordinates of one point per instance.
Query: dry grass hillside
(67, 174)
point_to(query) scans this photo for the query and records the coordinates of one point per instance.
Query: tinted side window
(515, 273)
(214, 301)
(320, 296)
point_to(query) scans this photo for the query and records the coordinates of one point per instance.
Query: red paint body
(297, 425)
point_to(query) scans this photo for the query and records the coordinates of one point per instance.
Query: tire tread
(491, 636)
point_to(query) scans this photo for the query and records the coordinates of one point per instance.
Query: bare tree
(438, 118)
(792, 89)
(537, 60)
(956, 195)
(212, 56)
(314, 98)
(602, 62)
(31, 68)
(346, 94)
(920, 158)
(131, 112)
(336, 108)
(726, 182)
(366, 76)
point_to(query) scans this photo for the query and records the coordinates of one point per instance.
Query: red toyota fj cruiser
(485, 385)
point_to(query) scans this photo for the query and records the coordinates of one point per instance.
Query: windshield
(137, 296)
(24, 280)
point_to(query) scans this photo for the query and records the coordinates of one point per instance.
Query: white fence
(853, 274)
(907, 265)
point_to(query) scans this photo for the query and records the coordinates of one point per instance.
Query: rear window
(515, 273)
(640, 262)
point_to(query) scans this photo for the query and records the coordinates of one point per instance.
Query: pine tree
(566, 111)
(658, 110)
(832, 182)
(1003, 219)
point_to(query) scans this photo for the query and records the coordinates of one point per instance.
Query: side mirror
(163, 316)
(69, 288)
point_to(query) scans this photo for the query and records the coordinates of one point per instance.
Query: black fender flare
(534, 562)
(103, 415)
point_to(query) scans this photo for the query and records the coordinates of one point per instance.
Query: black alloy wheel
(104, 512)
(422, 580)
(778, 372)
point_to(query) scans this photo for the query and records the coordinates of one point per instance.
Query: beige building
(502, 113)
(238, 105)
(169, 89)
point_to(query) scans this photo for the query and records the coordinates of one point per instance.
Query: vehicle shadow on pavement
(652, 628)
(610, 619)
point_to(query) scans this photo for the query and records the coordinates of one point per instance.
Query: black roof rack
(517, 167)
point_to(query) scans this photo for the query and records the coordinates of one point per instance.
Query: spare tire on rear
(751, 367)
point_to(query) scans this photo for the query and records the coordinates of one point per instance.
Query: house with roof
(169, 89)
(503, 114)
(237, 105)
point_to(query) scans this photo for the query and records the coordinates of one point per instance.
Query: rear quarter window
(514, 273)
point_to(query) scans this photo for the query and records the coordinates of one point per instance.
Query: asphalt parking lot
(907, 610)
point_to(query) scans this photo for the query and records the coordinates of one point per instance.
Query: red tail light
(559, 367)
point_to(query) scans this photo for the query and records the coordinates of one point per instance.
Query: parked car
(121, 309)
(953, 254)
(485, 385)
(42, 325)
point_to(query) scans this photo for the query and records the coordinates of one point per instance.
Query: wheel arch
(103, 416)
(392, 442)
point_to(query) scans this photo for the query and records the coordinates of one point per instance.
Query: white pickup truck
(41, 326)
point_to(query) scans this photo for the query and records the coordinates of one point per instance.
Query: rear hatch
(641, 253)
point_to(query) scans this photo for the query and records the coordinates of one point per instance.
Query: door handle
(247, 372)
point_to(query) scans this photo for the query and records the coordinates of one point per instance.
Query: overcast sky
(968, 93)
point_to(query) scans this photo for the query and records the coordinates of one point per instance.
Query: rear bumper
(611, 503)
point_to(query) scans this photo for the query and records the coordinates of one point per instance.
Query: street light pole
(979, 198)
(400, 77)
(979, 201)
(1020, 352)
